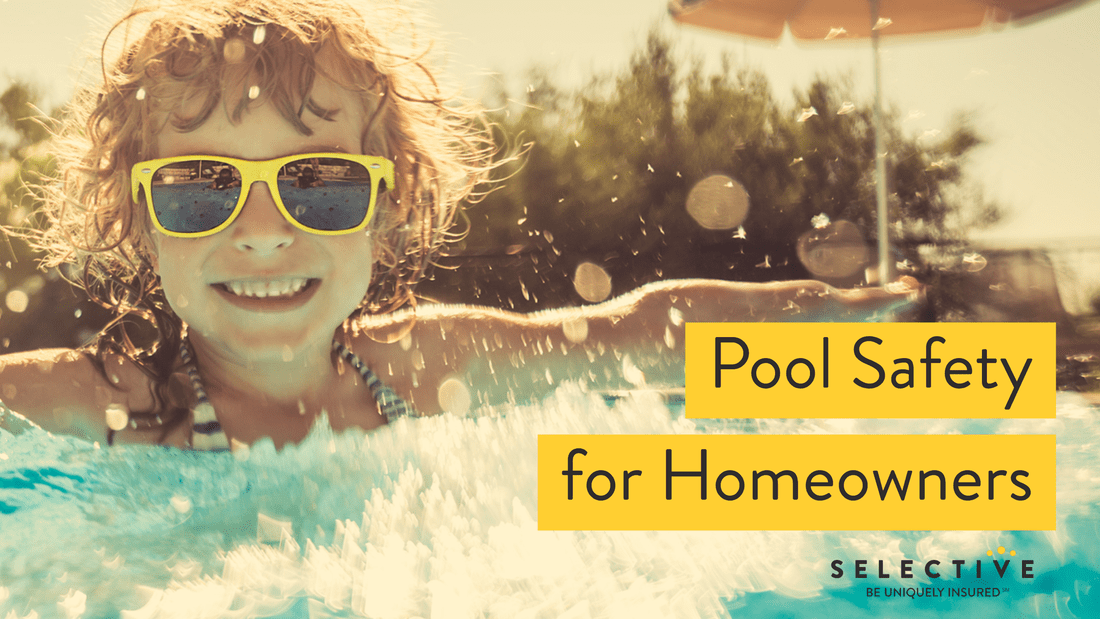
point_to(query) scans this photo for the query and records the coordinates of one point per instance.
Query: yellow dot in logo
(1000, 550)
(989, 553)
(1012, 553)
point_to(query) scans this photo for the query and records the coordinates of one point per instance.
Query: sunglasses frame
(266, 171)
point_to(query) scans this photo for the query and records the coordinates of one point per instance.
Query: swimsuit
(207, 433)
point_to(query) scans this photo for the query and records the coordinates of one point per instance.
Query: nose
(260, 228)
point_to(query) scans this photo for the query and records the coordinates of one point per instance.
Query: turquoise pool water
(437, 518)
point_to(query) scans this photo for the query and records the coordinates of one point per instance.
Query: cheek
(171, 262)
(355, 264)
(362, 258)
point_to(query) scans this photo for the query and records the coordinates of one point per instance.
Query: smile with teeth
(280, 288)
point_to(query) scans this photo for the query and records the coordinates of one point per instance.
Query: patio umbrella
(830, 19)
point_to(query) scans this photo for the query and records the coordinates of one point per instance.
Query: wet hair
(181, 62)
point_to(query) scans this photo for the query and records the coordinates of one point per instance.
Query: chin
(269, 345)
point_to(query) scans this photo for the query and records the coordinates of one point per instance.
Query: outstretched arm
(63, 392)
(631, 341)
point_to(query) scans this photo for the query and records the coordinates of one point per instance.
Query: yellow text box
(896, 370)
(819, 482)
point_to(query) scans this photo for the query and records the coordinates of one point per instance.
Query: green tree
(611, 166)
(38, 308)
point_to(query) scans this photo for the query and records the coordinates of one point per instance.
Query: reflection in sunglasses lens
(326, 193)
(195, 195)
(321, 193)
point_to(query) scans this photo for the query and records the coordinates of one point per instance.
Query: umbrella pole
(880, 158)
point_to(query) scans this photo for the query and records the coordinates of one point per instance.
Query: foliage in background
(605, 180)
(611, 165)
(37, 309)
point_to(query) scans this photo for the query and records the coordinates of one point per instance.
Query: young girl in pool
(249, 302)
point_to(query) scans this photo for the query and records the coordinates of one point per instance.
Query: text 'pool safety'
(829, 370)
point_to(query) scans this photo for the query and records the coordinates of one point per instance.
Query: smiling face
(263, 290)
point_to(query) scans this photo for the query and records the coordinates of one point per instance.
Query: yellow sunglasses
(323, 193)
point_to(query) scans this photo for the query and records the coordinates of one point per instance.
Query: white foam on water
(436, 517)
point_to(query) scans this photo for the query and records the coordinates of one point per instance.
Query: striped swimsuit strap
(207, 433)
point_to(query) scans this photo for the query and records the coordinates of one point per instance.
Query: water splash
(117, 416)
(438, 515)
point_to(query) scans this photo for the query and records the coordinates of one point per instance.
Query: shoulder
(68, 392)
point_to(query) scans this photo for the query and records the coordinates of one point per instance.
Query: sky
(1033, 91)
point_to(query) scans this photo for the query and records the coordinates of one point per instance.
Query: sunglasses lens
(195, 196)
(326, 193)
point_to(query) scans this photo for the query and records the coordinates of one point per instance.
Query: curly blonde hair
(212, 53)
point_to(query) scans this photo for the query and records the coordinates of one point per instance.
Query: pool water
(437, 517)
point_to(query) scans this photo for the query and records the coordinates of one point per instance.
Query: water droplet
(807, 114)
(974, 262)
(17, 301)
(521, 220)
(576, 143)
(234, 50)
(259, 34)
(406, 342)
(835, 32)
(253, 92)
(73, 604)
(241, 450)
(834, 250)
(740, 234)
(140, 94)
(454, 397)
(575, 329)
(882, 23)
(820, 220)
(632, 373)
(181, 504)
(272, 530)
(718, 203)
(117, 416)
(592, 282)
(77, 313)
(670, 340)
(846, 108)
(418, 360)
(675, 316)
